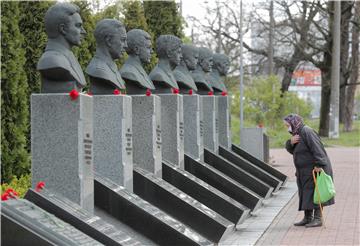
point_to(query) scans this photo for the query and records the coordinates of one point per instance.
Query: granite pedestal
(113, 148)
(210, 123)
(254, 141)
(147, 142)
(143, 217)
(193, 132)
(24, 223)
(224, 119)
(71, 213)
(62, 146)
(172, 129)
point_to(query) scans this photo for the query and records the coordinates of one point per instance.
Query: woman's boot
(307, 218)
(317, 219)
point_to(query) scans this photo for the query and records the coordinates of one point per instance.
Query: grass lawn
(278, 137)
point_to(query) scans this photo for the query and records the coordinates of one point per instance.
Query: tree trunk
(325, 101)
(354, 76)
(346, 8)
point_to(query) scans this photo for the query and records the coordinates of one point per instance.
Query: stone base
(147, 142)
(181, 206)
(85, 222)
(238, 174)
(250, 168)
(113, 150)
(61, 146)
(224, 117)
(260, 164)
(210, 123)
(143, 217)
(223, 183)
(172, 129)
(193, 138)
(206, 194)
(252, 141)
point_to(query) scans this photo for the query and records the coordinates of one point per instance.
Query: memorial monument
(188, 62)
(110, 36)
(60, 71)
(139, 50)
(220, 67)
(112, 120)
(203, 67)
(168, 49)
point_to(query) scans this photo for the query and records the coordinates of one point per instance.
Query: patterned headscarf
(296, 123)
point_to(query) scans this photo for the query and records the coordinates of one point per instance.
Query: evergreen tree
(162, 17)
(14, 95)
(32, 27)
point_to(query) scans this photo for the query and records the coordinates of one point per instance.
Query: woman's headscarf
(296, 123)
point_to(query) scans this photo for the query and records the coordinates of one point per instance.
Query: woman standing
(308, 153)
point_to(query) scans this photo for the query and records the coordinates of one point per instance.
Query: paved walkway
(342, 219)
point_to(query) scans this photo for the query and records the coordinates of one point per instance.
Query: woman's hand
(295, 139)
(318, 169)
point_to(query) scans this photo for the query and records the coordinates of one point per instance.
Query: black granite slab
(81, 219)
(255, 161)
(238, 174)
(223, 183)
(24, 223)
(250, 168)
(142, 216)
(181, 206)
(205, 193)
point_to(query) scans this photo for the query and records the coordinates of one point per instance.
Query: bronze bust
(104, 76)
(60, 71)
(220, 68)
(200, 73)
(139, 50)
(168, 49)
(189, 60)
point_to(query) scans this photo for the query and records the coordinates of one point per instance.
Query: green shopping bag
(324, 187)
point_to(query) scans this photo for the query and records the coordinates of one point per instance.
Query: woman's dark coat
(307, 154)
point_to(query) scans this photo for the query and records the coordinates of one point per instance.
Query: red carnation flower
(4, 196)
(74, 94)
(89, 93)
(224, 93)
(148, 92)
(117, 92)
(39, 186)
(175, 91)
(190, 92)
(210, 93)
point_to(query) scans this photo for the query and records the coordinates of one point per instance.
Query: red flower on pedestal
(175, 91)
(210, 93)
(190, 92)
(9, 193)
(89, 93)
(4, 196)
(74, 94)
(117, 92)
(148, 92)
(224, 93)
(39, 186)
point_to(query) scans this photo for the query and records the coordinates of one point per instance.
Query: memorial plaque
(236, 173)
(181, 206)
(147, 139)
(193, 139)
(24, 223)
(250, 168)
(224, 121)
(223, 183)
(61, 145)
(172, 125)
(210, 109)
(257, 162)
(143, 217)
(113, 138)
(206, 194)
